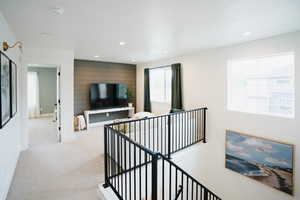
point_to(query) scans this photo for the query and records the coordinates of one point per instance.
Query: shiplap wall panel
(88, 72)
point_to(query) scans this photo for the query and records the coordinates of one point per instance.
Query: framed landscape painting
(5, 108)
(263, 160)
(13, 75)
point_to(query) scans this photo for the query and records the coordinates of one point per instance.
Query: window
(160, 84)
(262, 86)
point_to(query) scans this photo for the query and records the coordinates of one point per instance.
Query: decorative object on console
(123, 128)
(79, 123)
(266, 161)
(129, 97)
(141, 115)
(5, 99)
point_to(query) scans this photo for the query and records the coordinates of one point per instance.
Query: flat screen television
(108, 95)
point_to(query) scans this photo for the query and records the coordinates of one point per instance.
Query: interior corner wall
(204, 84)
(64, 59)
(10, 134)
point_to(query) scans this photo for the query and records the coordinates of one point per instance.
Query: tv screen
(108, 95)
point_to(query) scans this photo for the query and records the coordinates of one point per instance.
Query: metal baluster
(182, 185)
(204, 125)
(176, 174)
(122, 167)
(140, 175)
(153, 135)
(161, 135)
(163, 179)
(187, 188)
(105, 185)
(134, 172)
(118, 161)
(169, 136)
(125, 159)
(197, 188)
(157, 140)
(170, 181)
(154, 176)
(130, 162)
(146, 177)
(192, 189)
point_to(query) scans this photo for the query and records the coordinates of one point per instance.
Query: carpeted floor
(52, 171)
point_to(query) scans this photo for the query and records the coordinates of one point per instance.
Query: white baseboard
(106, 193)
(8, 176)
(46, 115)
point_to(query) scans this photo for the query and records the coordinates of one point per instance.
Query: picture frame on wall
(13, 75)
(5, 98)
(267, 161)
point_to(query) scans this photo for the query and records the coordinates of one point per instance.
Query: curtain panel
(176, 100)
(147, 102)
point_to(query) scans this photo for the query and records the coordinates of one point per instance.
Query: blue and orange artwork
(264, 160)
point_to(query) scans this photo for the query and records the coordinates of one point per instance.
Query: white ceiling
(152, 29)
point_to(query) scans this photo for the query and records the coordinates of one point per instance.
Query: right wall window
(262, 85)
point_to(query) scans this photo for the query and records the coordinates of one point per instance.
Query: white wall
(10, 135)
(204, 84)
(65, 60)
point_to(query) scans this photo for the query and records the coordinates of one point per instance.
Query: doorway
(43, 104)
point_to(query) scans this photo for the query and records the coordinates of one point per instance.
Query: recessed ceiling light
(57, 10)
(96, 56)
(122, 43)
(247, 34)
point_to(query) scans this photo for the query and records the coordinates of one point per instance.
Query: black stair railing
(179, 192)
(137, 157)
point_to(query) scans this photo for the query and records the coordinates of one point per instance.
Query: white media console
(107, 112)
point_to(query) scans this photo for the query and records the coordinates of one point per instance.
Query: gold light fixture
(6, 45)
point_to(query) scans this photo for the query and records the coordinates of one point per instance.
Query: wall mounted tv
(108, 95)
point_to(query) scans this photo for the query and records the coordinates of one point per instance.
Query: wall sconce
(6, 46)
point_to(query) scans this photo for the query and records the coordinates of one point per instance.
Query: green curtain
(176, 101)
(147, 102)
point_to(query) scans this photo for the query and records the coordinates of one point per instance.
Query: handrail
(149, 118)
(135, 150)
(185, 173)
(130, 140)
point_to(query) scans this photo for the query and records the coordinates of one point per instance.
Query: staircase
(138, 163)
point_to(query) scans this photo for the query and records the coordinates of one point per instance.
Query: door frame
(58, 103)
(58, 98)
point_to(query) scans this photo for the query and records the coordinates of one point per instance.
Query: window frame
(228, 83)
(166, 100)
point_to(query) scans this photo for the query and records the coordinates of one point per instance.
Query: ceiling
(152, 29)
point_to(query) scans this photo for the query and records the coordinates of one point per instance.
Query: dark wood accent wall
(88, 72)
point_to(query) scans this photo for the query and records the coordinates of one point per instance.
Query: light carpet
(52, 171)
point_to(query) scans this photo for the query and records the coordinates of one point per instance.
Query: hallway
(52, 171)
(42, 131)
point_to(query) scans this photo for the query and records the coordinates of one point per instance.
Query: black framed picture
(13, 84)
(5, 99)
